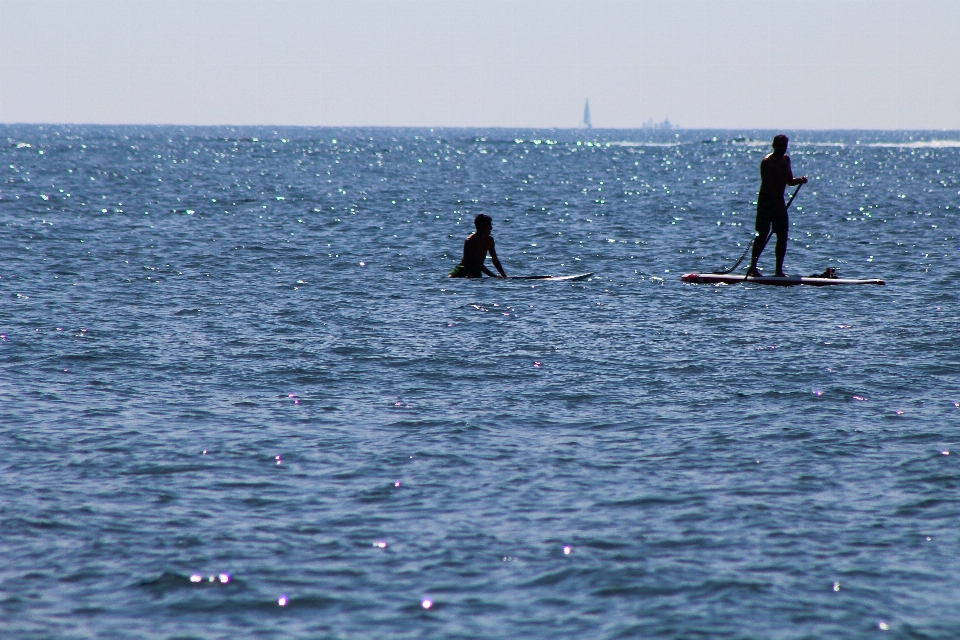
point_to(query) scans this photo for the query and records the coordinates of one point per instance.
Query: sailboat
(586, 115)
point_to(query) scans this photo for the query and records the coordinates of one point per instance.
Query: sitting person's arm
(496, 260)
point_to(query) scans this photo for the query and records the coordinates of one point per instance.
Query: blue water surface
(239, 398)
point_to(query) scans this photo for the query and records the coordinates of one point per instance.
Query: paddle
(750, 244)
(790, 201)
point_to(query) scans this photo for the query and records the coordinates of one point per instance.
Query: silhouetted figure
(475, 249)
(775, 175)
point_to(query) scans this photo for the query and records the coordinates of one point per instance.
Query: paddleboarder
(475, 249)
(775, 175)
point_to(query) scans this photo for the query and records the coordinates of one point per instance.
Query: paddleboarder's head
(780, 143)
(483, 222)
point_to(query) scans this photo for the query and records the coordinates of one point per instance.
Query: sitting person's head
(483, 222)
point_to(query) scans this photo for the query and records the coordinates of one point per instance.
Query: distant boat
(586, 116)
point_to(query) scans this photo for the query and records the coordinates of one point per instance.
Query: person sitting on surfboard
(475, 249)
(775, 175)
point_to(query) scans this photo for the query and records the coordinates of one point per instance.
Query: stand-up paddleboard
(579, 276)
(790, 281)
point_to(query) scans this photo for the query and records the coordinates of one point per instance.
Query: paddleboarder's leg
(763, 231)
(781, 254)
(758, 244)
(780, 224)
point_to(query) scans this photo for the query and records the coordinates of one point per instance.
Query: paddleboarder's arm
(496, 261)
(788, 172)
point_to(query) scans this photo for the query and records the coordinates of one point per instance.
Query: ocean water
(239, 398)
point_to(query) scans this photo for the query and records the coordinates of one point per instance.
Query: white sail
(586, 115)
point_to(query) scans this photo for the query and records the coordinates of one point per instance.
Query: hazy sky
(702, 63)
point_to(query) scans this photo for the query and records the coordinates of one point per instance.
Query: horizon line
(676, 128)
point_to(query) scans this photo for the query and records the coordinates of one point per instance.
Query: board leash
(769, 235)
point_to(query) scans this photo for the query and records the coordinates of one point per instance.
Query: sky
(765, 64)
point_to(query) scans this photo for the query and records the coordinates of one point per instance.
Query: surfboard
(790, 281)
(579, 276)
